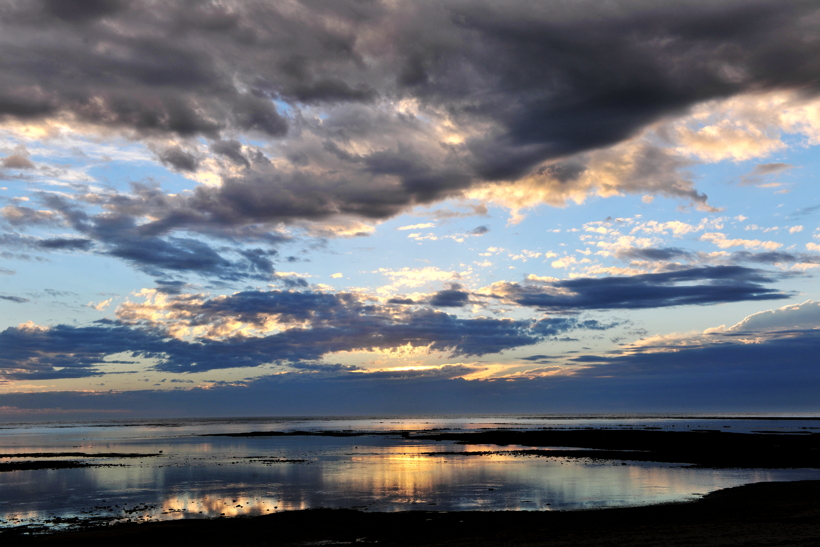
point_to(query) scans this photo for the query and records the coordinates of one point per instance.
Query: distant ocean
(57, 475)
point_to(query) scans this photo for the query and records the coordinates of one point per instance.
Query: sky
(222, 208)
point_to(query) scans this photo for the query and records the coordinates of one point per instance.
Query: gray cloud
(49, 244)
(778, 355)
(771, 168)
(806, 210)
(121, 236)
(19, 216)
(81, 10)
(231, 149)
(320, 323)
(71, 244)
(78, 351)
(453, 297)
(528, 83)
(177, 158)
(654, 254)
(544, 81)
(170, 286)
(17, 161)
(776, 375)
(668, 254)
(699, 285)
(758, 174)
(775, 257)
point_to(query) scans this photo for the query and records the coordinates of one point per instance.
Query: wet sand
(758, 514)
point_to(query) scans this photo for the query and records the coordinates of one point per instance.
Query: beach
(757, 514)
(438, 481)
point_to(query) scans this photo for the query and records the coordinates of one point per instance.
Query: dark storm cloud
(231, 149)
(79, 10)
(701, 285)
(566, 83)
(545, 80)
(177, 158)
(453, 297)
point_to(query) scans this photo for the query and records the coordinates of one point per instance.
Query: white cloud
(564, 262)
(416, 277)
(723, 242)
(793, 316)
(417, 226)
(676, 227)
(100, 306)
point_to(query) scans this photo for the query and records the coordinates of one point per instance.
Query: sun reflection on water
(207, 506)
(216, 477)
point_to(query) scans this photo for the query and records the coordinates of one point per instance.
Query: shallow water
(205, 477)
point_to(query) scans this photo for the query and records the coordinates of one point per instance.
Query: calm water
(206, 477)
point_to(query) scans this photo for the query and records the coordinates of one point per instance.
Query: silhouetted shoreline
(785, 513)
(704, 447)
(63, 464)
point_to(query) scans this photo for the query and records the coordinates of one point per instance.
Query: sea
(60, 475)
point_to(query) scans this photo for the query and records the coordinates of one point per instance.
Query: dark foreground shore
(786, 513)
(703, 448)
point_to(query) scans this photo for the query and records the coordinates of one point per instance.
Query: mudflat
(785, 513)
